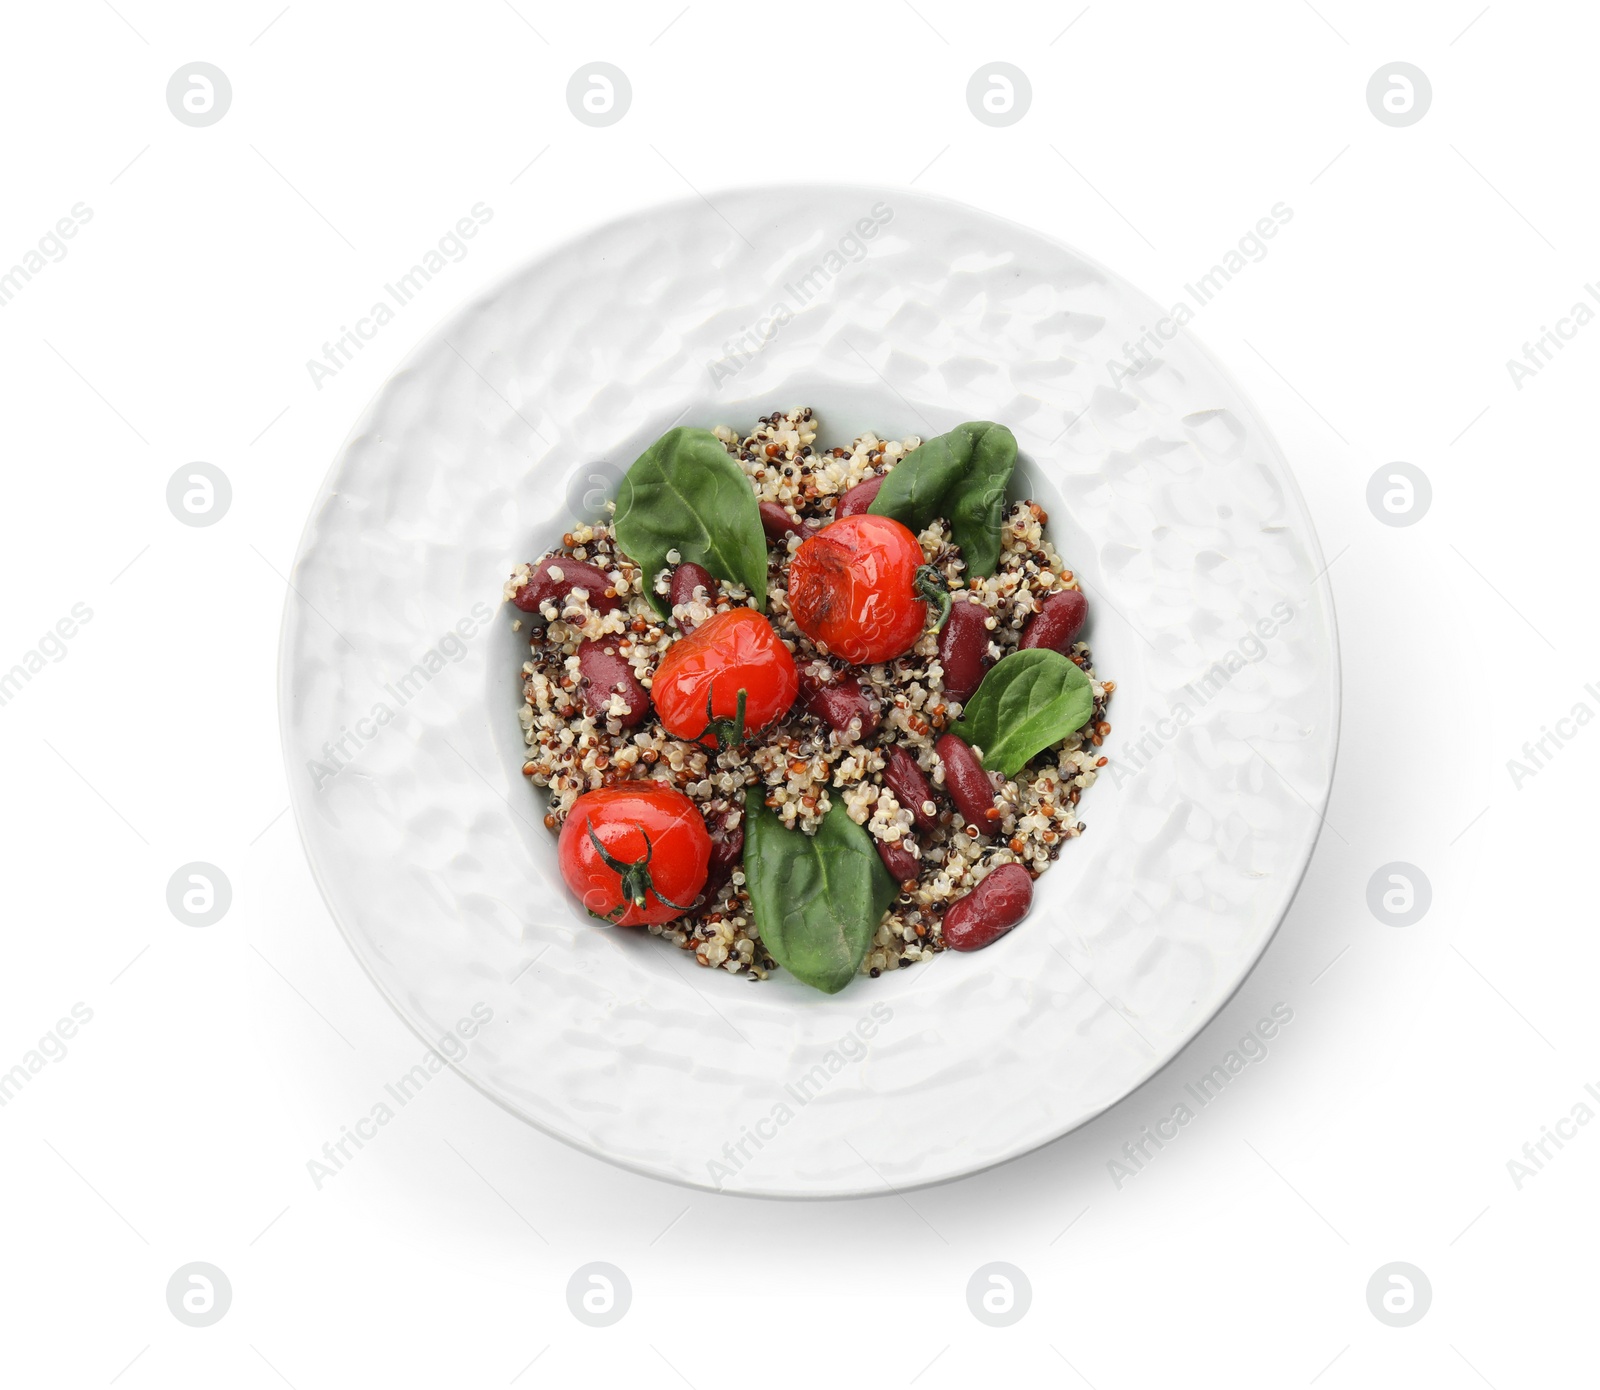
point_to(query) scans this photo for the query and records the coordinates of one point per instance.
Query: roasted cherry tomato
(859, 588)
(635, 853)
(729, 675)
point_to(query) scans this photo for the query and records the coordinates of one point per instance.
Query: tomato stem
(729, 733)
(930, 584)
(636, 884)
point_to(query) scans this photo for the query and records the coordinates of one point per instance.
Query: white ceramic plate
(891, 311)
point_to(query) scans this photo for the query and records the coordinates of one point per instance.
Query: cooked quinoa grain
(802, 763)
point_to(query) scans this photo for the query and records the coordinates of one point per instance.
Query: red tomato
(729, 675)
(854, 588)
(635, 853)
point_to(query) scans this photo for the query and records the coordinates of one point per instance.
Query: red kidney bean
(685, 579)
(858, 498)
(777, 522)
(1057, 623)
(990, 910)
(839, 702)
(966, 781)
(575, 574)
(605, 672)
(911, 788)
(727, 851)
(902, 864)
(964, 649)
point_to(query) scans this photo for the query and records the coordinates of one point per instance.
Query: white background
(219, 1060)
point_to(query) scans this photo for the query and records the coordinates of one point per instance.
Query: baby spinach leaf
(961, 475)
(817, 899)
(913, 489)
(687, 493)
(1026, 701)
(976, 505)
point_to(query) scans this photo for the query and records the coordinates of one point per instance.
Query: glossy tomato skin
(853, 588)
(679, 851)
(736, 650)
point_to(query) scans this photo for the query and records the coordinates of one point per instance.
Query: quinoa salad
(825, 722)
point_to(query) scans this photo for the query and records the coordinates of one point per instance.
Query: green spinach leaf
(687, 493)
(817, 899)
(1026, 701)
(961, 475)
(914, 488)
(977, 503)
